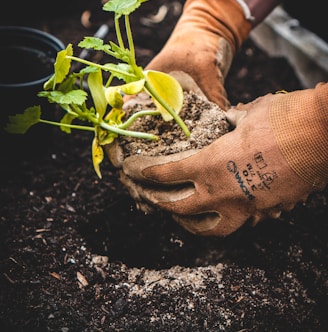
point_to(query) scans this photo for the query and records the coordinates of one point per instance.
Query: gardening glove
(275, 157)
(203, 44)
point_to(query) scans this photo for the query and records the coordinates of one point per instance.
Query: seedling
(105, 116)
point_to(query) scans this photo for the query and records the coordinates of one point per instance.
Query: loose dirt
(205, 121)
(76, 255)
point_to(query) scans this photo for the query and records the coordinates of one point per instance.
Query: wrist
(300, 124)
(257, 10)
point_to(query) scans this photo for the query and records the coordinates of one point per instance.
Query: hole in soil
(156, 241)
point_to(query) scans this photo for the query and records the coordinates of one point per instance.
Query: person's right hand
(203, 43)
(276, 157)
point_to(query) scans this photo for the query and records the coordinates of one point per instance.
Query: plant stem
(58, 124)
(118, 33)
(106, 126)
(131, 133)
(176, 117)
(136, 115)
(129, 37)
(104, 68)
(109, 81)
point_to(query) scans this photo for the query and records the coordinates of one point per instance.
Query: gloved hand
(198, 53)
(203, 44)
(275, 157)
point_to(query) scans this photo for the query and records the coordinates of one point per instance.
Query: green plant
(66, 88)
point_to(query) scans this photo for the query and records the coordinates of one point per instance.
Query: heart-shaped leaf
(168, 90)
(120, 7)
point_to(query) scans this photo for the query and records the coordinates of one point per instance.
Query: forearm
(234, 15)
(260, 9)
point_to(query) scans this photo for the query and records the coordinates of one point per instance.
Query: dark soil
(75, 254)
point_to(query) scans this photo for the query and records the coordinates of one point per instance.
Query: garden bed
(76, 255)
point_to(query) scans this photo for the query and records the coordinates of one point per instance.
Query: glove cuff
(300, 124)
(246, 10)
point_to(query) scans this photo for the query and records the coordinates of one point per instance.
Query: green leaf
(105, 136)
(134, 87)
(21, 123)
(168, 89)
(108, 138)
(122, 71)
(114, 117)
(95, 43)
(114, 97)
(123, 54)
(71, 97)
(95, 83)
(120, 7)
(67, 119)
(86, 70)
(68, 84)
(62, 67)
(69, 110)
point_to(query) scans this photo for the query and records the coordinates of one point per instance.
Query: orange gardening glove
(275, 157)
(203, 44)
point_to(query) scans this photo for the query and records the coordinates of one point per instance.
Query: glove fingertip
(198, 224)
(115, 154)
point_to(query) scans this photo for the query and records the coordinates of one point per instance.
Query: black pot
(27, 56)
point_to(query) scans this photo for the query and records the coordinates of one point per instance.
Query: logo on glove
(232, 168)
